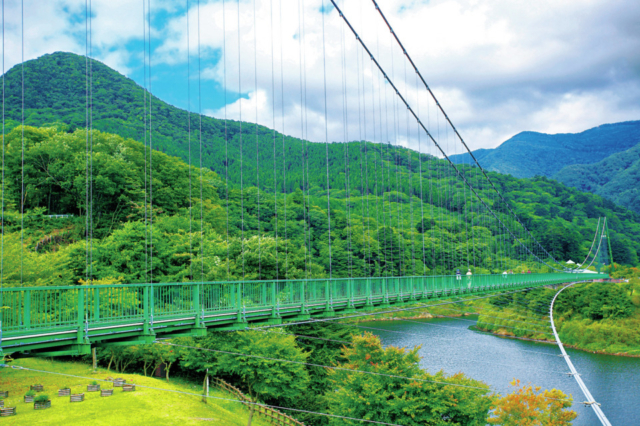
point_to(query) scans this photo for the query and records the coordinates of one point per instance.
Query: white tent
(571, 262)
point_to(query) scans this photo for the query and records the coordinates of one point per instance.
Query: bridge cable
(396, 119)
(377, 138)
(91, 177)
(255, 90)
(474, 346)
(360, 75)
(22, 150)
(381, 192)
(200, 142)
(302, 112)
(330, 367)
(189, 143)
(273, 115)
(398, 95)
(284, 154)
(150, 154)
(2, 201)
(226, 138)
(347, 165)
(450, 123)
(590, 400)
(365, 156)
(242, 238)
(337, 368)
(306, 137)
(326, 133)
(423, 231)
(276, 407)
(411, 194)
(144, 93)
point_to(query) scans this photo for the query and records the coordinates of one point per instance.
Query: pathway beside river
(449, 345)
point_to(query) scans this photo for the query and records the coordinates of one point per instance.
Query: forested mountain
(530, 154)
(391, 211)
(617, 178)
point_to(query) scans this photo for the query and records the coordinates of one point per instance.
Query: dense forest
(530, 154)
(217, 232)
(380, 210)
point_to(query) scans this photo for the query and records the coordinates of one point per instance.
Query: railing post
(96, 304)
(196, 303)
(80, 308)
(302, 297)
(239, 301)
(145, 308)
(27, 309)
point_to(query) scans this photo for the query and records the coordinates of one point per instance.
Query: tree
(423, 399)
(255, 357)
(527, 406)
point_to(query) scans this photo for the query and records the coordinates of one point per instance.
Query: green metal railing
(36, 311)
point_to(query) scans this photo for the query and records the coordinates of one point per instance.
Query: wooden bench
(119, 382)
(79, 397)
(93, 388)
(8, 411)
(37, 388)
(128, 388)
(106, 392)
(64, 392)
(29, 398)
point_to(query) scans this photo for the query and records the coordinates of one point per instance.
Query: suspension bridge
(396, 109)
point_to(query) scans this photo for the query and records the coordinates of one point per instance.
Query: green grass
(142, 407)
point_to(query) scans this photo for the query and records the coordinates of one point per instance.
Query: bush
(30, 393)
(41, 398)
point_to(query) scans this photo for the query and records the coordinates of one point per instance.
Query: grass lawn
(142, 407)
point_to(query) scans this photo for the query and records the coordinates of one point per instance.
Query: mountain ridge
(530, 154)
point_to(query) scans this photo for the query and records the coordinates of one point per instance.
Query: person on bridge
(469, 278)
(504, 275)
(458, 274)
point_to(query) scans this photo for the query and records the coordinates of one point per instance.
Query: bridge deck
(68, 320)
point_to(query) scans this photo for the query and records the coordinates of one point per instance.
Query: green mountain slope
(617, 178)
(530, 154)
(375, 190)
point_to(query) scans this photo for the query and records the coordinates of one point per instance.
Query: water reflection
(449, 345)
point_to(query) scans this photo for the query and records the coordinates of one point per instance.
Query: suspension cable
(398, 95)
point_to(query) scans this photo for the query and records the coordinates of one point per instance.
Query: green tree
(255, 357)
(422, 399)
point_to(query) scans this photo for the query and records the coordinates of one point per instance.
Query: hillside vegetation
(599, 317)
(370, 235)
(617, 178)
(530, 154)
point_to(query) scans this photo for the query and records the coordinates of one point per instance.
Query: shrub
(41, 398)
(30, 393)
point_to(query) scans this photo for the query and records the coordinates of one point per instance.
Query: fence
(274, 416)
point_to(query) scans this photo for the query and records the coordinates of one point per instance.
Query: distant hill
(530, 154)
(55, 93)
(617, 178)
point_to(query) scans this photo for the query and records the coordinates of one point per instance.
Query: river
(449, 345)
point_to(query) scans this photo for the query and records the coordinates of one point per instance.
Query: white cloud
(498, 67)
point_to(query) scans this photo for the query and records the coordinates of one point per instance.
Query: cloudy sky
(497, 67)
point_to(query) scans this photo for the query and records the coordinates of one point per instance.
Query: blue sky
(497, 66)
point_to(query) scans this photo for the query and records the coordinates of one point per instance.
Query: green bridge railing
(37, 318)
